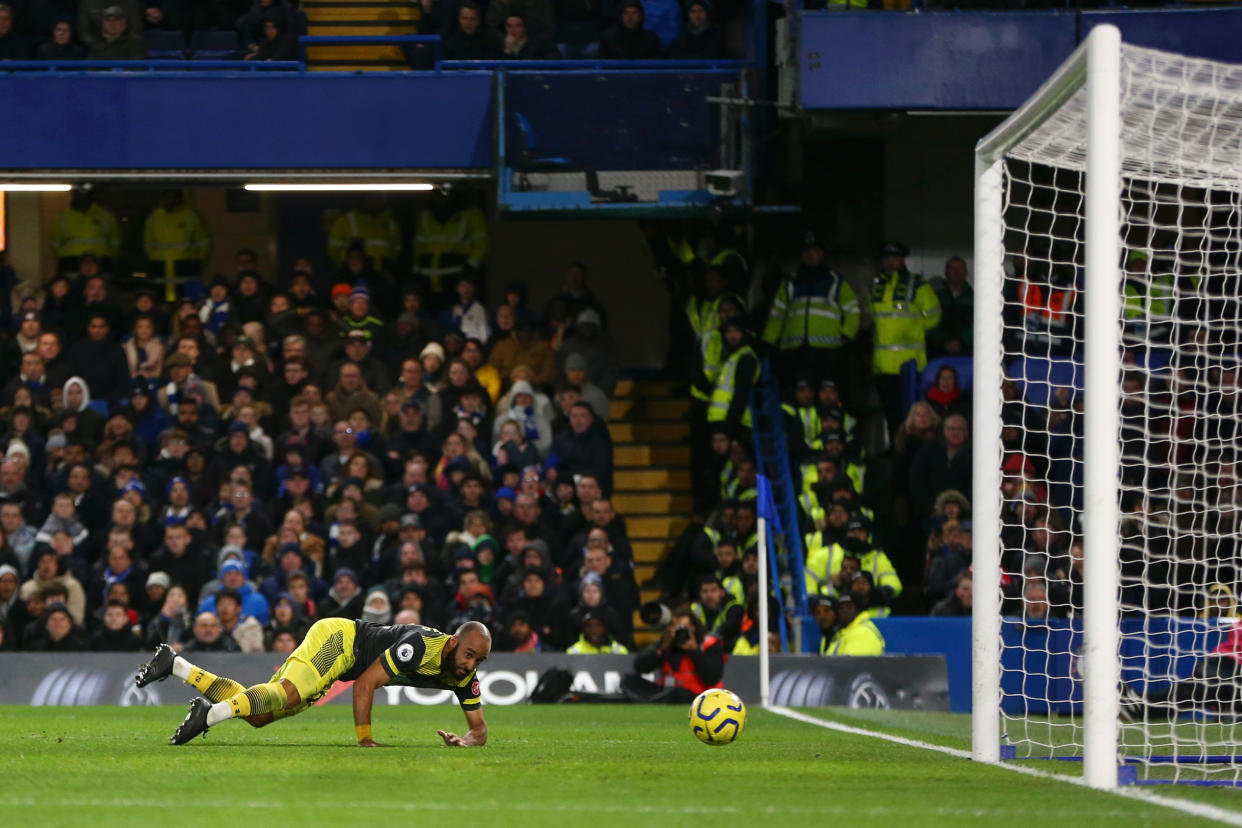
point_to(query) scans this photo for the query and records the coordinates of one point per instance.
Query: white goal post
(1108, 254)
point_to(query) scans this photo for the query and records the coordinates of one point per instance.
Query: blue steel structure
(779, 482)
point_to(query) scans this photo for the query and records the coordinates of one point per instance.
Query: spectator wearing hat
(10, 597)
(180, 561)
(813, 318)
(360, 316)
(91, 13)
(729, 404)
(575, 373)
(700, 38)
(532, 421)
(538, 598)
(905, 309)
(824, 611)
(855, 633)
(57, 632)
(524, 347)
(590, 342)
(628, 39)
(114, 40)
(184, 380)
(359, 349)
(520, 635)
(250, 601)
(595, 638)
(345, 598)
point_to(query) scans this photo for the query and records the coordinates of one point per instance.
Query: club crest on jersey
(405, 652)
(474, 688)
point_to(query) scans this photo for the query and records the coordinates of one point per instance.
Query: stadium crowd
(469, 29)
(857, 448)
(222, 461)
(219, 470)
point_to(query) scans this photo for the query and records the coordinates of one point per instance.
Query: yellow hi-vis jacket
(443, 249)
(822, 319)
(172, 236)
(379, 233)
(860, 637)
(904, 308)
(94, 231)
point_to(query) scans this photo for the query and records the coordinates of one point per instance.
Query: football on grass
(717, 717)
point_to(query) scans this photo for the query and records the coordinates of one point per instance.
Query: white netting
(1181, 442)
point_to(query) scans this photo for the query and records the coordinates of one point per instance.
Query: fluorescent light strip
(11, 187)
(325, 188)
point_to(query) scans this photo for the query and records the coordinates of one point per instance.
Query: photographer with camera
(688, 660)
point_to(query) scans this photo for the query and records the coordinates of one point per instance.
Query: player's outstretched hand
(451, 739)
(369, 743)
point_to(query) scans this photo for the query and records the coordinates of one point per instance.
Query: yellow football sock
(262, 698)
(214, 687)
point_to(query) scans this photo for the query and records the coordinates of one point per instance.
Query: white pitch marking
(1192, 808)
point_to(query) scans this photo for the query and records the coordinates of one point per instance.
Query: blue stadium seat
(523, 149)
(164, 45)
(214, 46)
(98, 405)
(1037, 376)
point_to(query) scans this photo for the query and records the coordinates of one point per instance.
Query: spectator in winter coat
(209, 636)
(100, 362)
(540, 601)
(115, 40)
(345, 599)
(538, 17)
(117, 634)
(62, 46)
(940, 466)
(628, 40)
(472, 40)
(519, 44)
(596, 347)
(524, 347)
(585, 448)
(57, 633)
(700, 38)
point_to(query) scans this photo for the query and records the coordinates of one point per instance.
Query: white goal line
(1131, 792)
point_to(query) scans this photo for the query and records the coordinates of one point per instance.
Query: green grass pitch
(583, 765)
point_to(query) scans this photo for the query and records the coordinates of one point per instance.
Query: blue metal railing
(76, 66)
(772, 455)
(438, 65)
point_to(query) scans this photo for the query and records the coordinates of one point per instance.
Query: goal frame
(1096, 64)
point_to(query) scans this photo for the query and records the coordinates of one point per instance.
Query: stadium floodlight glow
(334, 187)
(14, 187)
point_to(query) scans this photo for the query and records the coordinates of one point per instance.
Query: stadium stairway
(651, 481)
(359, 17)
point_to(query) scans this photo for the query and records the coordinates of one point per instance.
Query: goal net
(1108, 414)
